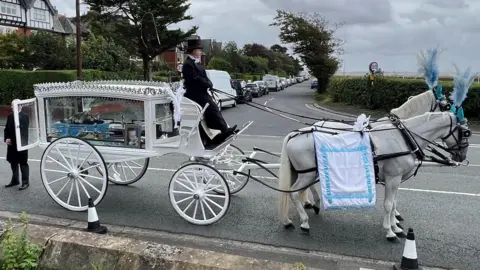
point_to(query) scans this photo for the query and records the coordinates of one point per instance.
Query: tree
(49, 51)
(13, 50)
(144, 25)
(313, 41)
(279, 49)
(103, 54)
(219, 63)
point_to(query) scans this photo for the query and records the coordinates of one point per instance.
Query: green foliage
(19, 83)
(49, 51)
(144, 24)
(219, 63)
(313, 40)
(13, 50)
(101, 53)
(388, 93)
(18, 252)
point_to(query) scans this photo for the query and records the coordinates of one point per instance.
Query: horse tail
(284, 181)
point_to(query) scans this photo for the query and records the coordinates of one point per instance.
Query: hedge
(19, 83)
(387, 93)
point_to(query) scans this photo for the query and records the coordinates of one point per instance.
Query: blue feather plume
(428, 67)
(461, 84)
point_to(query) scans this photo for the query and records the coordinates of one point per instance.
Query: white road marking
(404, 189)
(441, 192)
(325, 112)
(280, 114)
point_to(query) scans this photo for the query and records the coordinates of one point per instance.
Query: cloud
(390, 32)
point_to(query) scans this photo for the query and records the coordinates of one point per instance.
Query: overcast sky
(390, 32)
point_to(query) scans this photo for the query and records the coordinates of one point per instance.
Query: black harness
(410, 141)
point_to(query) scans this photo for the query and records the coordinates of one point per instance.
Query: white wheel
(67, 176)
(127, 172)
(192, 196)
(234, 104)
(229, 160)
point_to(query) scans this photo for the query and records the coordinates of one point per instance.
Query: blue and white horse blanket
(346, 170)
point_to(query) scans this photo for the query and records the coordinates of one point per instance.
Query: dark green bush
(388, 93)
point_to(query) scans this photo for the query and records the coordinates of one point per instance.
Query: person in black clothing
(197, 85)
(15, 157)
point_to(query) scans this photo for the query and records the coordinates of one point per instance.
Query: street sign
(373, 66)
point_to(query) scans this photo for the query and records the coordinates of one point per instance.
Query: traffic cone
(409, 258)
(93, 222)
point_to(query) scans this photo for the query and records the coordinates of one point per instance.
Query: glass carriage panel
(164, 121)
(102, 121)
(25, 115)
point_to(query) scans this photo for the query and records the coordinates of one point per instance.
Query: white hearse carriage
(97, 132)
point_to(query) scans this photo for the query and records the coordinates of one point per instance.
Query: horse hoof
(393, 239)
(305, 231)
(308, 206)
(399, 218)
(399, 226)
(316, 209)
(290, 227)
(401, 235)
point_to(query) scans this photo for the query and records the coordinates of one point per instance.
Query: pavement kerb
(67, 243)
(64, 248)
(317, 106)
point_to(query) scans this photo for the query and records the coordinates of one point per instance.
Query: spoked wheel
(127, 172)
(69, 178)
(229, 160)
(191, 194)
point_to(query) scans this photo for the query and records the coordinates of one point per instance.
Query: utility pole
(79, 43)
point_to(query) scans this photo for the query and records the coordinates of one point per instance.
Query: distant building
(176, 55)
(25, 16)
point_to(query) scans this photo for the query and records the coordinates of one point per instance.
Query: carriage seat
(191, 108)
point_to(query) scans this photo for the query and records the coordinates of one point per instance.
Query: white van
(273, 82)
(221, 81)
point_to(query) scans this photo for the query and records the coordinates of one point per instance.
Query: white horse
(428, 101)
(299, 152)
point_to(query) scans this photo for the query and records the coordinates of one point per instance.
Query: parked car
(273, 83)
(244, 95)
(222, 81)
(283, 81)
(314, 84)
(263, 87)
(255, 88)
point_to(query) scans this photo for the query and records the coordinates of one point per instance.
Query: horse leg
(391, 185)
(304, 199)
(316, 199)
(398, 216)
(302, 181)
(395, 228)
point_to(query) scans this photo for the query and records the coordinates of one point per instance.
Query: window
(9, 9)
(165, 122)
(39, 15)
(101, 121)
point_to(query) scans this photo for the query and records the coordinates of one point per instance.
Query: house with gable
(176, 55)
(25, 16)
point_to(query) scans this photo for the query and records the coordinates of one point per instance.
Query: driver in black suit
(197, 85)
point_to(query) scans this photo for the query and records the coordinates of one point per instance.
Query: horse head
(457, 139)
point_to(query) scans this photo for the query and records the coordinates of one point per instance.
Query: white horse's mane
(414, 105)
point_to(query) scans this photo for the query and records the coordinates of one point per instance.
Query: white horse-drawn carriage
(93, 133)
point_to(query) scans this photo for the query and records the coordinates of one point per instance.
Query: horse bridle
(461, 141)
(440, 101)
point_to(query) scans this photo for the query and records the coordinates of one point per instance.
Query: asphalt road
(441, 204)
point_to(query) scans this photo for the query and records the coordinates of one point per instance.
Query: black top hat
(193, 44)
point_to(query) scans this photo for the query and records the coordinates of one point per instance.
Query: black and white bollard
(409, 258)
(93, 221)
